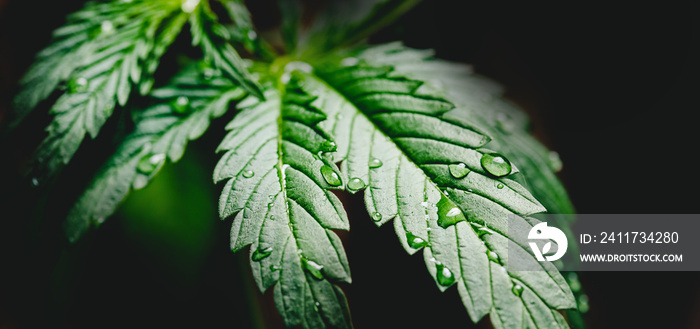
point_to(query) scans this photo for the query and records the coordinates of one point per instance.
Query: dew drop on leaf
(356, 184)
(499, 186)
(260, 254)
(252, 35)
(313, 268)
(248, 174)
(107, 27)
(493, 256)
(445, 277)
(330, 176)
(35, 182)
(481, 231)
(448, 212)
(517, 289)
(100, 220)
(459, 170)
(415, 242)
(275, 267)
(328, 156)
(150, 162)
(375, 163)
(328, 146)
(376, 216)
(140, 181)
(78, 85)
(182, 104)
(496, 164)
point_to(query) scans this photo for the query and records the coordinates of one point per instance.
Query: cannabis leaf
(101, 51)
(424, 165)
(181, 112)
(213, 38)
(279, 188)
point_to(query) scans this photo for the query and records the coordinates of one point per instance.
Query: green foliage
(433, 148)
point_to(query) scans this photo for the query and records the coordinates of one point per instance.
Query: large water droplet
(150, 162)
(496, 164)
(182, 104)
(375, 163)
(459, 170)
(248, 174)
(448, 212)
(78, 85)
(415, 242)
(445, 277)
(555, 161)
(517, 289)
(376, 216)
(330, 176)
(356, 183)
(260, 254)
(328, 146)
(493, 256)
(313, 268)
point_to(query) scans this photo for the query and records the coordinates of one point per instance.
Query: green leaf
(279, 188)
(102, 51)
(213, 38)
(432, 182)
(181, 113)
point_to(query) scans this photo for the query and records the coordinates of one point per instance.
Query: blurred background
(612, 87)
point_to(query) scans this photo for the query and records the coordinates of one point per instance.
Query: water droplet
(248, 174)
(481, 231)
(415, 242)
(356, 183)
(459, 170)
(376, 216)
(78, 85)
(375, 163)
(189, 6)
(493, 256)
(150, 162)
(328, 146)
(328, 156)
(252, 35)
(448, 212)
(272, 217)
(555, 161)
(313, 268)
(330, 176)
(275, 267)
(499, 186)
(35, 182)
(140, 182)
(517, 289)
(208, 73)
(349, 61)
(583, 304)
(181, 104)
(100, 220)
(107, 27)
(496, 164)
(261, 254)
(445, 277)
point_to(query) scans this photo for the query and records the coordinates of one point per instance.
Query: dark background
(611, 86)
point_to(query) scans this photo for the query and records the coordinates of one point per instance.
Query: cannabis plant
(316, 112)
